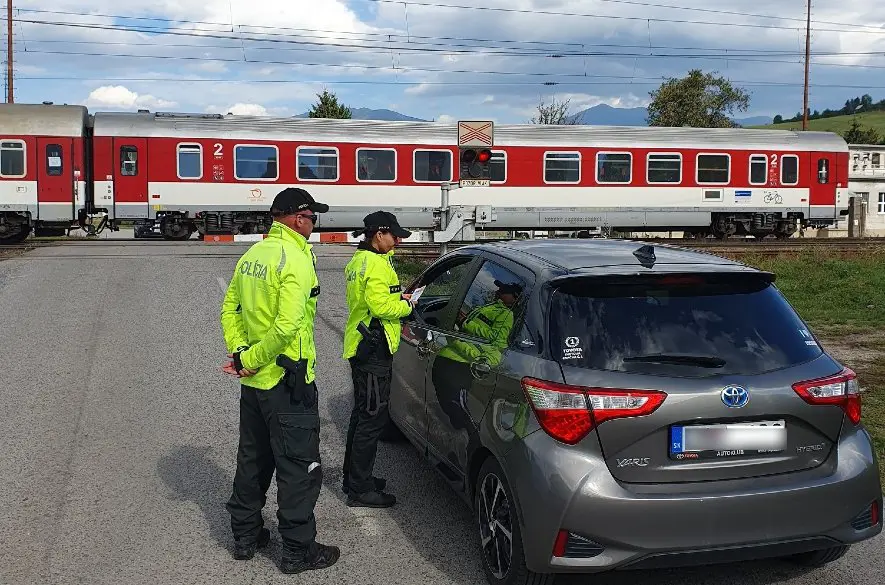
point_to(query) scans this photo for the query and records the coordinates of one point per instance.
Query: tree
(555, 113)
(778, 119)
(857, 134)
(328, 107)
(699, 100)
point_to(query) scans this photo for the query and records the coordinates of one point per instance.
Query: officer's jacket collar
(367, 245)
(278, 230)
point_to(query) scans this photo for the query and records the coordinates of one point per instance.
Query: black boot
(380, 484)
(373, 499)
(320, 557)
(243, 551)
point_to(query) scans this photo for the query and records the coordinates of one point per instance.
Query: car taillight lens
(840, 390)
(567, 413)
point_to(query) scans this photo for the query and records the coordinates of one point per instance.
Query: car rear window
(739, 325)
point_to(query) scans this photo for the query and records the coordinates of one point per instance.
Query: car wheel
(819, 558)
(503, 559)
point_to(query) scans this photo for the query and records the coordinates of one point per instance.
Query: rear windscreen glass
(692, 327)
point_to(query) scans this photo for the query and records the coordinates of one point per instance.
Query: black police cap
(512, 288)
(293, 200)
(384, 220)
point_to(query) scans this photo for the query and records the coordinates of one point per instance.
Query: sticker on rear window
(572, 349)
(809, 340)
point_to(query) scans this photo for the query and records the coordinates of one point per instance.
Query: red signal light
(484, 155)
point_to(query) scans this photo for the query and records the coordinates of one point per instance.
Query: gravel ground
(119, 440)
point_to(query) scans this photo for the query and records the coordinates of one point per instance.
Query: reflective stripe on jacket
(373, 290)
(270, 306)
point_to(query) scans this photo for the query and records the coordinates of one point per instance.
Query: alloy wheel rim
(495, 526)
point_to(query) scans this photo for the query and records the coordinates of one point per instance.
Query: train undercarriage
(758, 225)
(180, 226)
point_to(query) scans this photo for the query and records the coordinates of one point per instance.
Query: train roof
(43, 120)
(214, 126)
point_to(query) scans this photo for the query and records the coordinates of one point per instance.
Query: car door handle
(480, 368)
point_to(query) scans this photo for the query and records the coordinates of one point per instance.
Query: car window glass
(703, 327)
(438, 287)
(487, 311)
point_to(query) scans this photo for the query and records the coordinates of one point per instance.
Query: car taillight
(567, 413)
(840, 390)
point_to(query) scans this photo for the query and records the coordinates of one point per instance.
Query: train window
(614, 167)
(190, 161)
(664, 168)
(12, 159)
(54, 157)
(317, 164)
(128, 161)
(433, 166)
(256, 162)
(498, 167)
(376, 165)
(823, 171)
(758, 169)
(713, 168)
(562, 167)
(789, 169)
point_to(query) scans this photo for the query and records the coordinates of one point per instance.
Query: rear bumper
(643, 526)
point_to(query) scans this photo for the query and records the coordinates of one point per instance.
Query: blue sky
(432, 62)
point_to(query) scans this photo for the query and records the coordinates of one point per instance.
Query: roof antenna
(646, 255)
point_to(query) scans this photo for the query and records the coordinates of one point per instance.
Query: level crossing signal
(475, 139)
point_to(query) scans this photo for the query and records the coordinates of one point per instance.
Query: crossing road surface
(119, 438)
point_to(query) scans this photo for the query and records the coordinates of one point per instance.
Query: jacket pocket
(300, 436)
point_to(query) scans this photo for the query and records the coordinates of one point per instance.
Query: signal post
(475, 141)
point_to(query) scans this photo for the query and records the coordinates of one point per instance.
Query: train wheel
(15, 238)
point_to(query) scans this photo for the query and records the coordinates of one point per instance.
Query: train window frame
(261, 179)
(385, 149)
(764, 158)
(502, 155)
(676, 155)
(596, 172)
(318, 147)
(697, 168)
(131, 148)
(415, 152)
(60, 169)
(199, 149)
(580, 167)
(823, 170)
(784, 157)
(4, 146)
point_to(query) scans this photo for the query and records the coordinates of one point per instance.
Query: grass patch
(838, 124)
(408, 268)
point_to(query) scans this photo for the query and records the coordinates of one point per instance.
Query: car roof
(591, 255)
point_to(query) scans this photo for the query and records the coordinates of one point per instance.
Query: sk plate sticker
(572, 349)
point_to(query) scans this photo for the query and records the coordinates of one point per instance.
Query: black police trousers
(371, 370)
(279, 430)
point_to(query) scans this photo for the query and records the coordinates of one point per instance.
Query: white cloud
(121, 98)
(445, 118)
(247, 110)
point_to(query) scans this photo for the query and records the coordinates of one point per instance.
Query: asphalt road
(119, 438)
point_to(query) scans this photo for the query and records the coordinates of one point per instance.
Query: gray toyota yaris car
(609, 404)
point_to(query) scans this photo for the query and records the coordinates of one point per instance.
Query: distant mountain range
(601, 115)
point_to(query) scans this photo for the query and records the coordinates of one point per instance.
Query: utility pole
(807, 59)
(10, 97)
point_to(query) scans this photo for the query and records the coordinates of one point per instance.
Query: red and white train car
(42, 169)
(218, 174)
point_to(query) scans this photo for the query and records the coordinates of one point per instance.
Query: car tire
(491, 480)
(819, 558)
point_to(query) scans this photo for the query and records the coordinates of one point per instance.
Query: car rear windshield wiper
(703, 361)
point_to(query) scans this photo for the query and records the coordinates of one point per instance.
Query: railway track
(427, 251)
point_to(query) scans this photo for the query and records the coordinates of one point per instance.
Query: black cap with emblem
(508, 288)
(293, 200)
(385, 221)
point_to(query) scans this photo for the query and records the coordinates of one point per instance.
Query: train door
(824, 195)
(130, 178)
(55, 179)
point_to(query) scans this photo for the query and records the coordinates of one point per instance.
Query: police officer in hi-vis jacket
(371, 337)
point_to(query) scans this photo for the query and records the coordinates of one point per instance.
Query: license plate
(693, 442)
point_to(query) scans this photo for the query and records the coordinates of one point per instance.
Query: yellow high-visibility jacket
(270, 306)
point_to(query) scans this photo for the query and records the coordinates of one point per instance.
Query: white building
(866, 179)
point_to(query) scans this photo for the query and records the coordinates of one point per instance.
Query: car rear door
(725, 350)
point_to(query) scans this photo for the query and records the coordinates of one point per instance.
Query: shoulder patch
(485, 319)
(396, 289)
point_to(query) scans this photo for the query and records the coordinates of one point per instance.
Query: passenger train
(63, 168)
